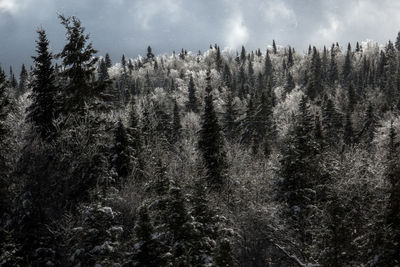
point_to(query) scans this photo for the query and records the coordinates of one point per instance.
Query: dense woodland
(218, 158)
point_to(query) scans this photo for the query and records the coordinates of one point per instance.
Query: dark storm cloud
(122, 26)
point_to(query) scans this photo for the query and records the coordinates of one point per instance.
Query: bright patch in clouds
(237, 33)
(12, 6)
(147, 11)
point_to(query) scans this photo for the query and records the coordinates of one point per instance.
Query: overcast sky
(128, 26)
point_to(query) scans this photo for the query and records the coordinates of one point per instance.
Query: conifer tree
(348, 133)
(108, 61)
(393, 209)
(121, 153)
(44, 107)
(227, 76)
(397, 44)
(147, 248)
(12, 79)
(243, 55)
(268, 68)
(289, 84)
(23, 80)
(333, 69)
(150, 55)
(224, 253)
(218, 60)
(250, 74)
(332, 123)
(290, 60)
(79, 66)
(5, 167)
(103, 71)
(347, 67)
(192, 104)
(135, 141)
(211, 143)
(367, 132)
(176, 124)
(229, 118)
(274, 50)
(315, 85)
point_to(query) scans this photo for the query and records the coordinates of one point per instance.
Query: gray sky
(128, 26)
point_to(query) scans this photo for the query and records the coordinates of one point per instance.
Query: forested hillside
(270, 157)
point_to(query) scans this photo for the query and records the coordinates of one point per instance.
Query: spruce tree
(150, 55)
(23, 80)
(229, 118)
(347, 67)
(44, 108)
(348, 133)
(136, 142)
(290, 60)
(218, 60)
(332, 123)
(289, 84)
(333, 68)
(121, 154)
(393, 208)
(108, 61)
(397, 44)
(147, 249)
(268, 68)
(176, 124)
(103, 71)
(211, 143)
(79, 66)
(315, 85)
(5, 167)
(274, 50)
(192, 104)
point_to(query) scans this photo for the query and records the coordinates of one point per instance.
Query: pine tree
(290, 60)
(176, 124)
(192, 104)
(243, 55)
(332, 123)
(205, 225)
(347, 67)
(79, 66)
(315, 85)
(108, 61)
(211, 143)
(121, 154)
(103, 71)
(393, 208)
(290, 84)
(150, 55)
(123, 63)
(136, 142)
(229, 118)
(12, 79)
(333, 68)
(351, 97)
(5, 167)
(397, 44)
(44, 107)
(224, 254)
(274, 50)
(348, 133)
(23, 80)
(268, 68)
(227, 76)
(147, 248)
(250, 74)
(218, 60)
(367, 132)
